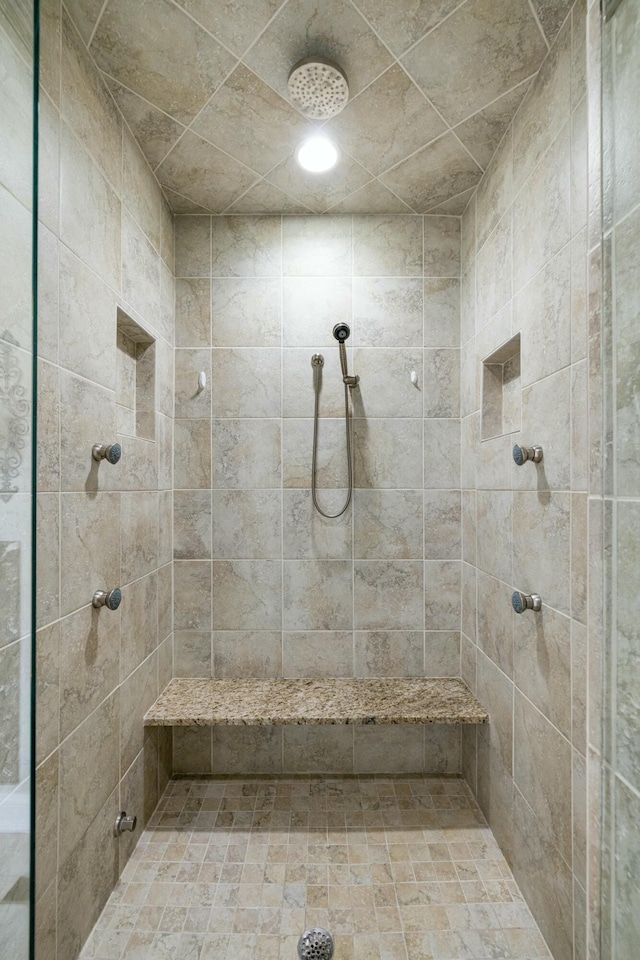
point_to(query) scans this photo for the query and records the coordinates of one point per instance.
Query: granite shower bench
(198, 702)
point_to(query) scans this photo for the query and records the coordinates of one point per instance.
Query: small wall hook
(414, 378)
(202, 381)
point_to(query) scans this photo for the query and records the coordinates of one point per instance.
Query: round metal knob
(522, 454)
(124, 824)
(525, 601)
(110, 599)
(110, 452)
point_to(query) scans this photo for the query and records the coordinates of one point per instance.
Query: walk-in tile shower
(319, 456)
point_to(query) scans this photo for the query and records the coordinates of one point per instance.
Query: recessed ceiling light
(317, 154)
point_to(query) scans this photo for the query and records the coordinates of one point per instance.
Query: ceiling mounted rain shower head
(318, 88)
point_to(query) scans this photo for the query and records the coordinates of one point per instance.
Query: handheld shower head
(341, 332)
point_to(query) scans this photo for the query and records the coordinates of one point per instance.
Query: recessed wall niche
(135, 380)
(501, 397)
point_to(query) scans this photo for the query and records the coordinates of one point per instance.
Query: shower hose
(317, 378)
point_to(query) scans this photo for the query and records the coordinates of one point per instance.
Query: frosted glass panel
(16, 502)
(621, 282)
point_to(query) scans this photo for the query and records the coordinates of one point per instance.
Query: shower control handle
(124, 824)
(522, 454)
(525, 601)
(110, 452)
(110, 599)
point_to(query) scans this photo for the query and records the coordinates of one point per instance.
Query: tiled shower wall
(524, 266)
(106, 241)
(264, 587)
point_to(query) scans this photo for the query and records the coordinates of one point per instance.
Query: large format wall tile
(317, 595)
(87, 107)
(388, 595)
(87, 412)
(247, 653)
(388, 524)
(246, 247)
(541, 212)
(246, 383)
(246, 312)
(246, 453)
(309, 536)
(90, 211)
(389, 653)
(246, 524)
(247, 595)
(89, 771)
(326, 653)
(86, 878)
(386, 389)
(86, 347)
(139, 623)
(89, 664)
(392, 749)
(90, 547)
(316, 248)
(247, 749)
(387, 246)
(388, 453)
(309, 749)
(548, 573)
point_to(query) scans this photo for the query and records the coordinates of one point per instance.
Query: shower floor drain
(315, 944)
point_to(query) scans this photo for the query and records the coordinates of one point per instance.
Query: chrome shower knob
(525, 601)
(110, 452)
(522, 454)
(110, 599)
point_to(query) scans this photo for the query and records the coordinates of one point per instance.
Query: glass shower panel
(17, 202)
(621, 362)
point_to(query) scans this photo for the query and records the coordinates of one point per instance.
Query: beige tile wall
(524, 270)
(106, 242)
(265, 587)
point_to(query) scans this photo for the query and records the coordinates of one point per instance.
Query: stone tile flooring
(396, 868)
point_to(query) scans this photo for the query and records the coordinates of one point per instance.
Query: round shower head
(318, 88)
(341, 332)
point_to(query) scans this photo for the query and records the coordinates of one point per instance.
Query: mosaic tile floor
(396, 869)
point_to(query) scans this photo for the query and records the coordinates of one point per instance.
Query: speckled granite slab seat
(186, 702)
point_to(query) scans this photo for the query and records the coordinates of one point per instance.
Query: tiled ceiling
(433, 84)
